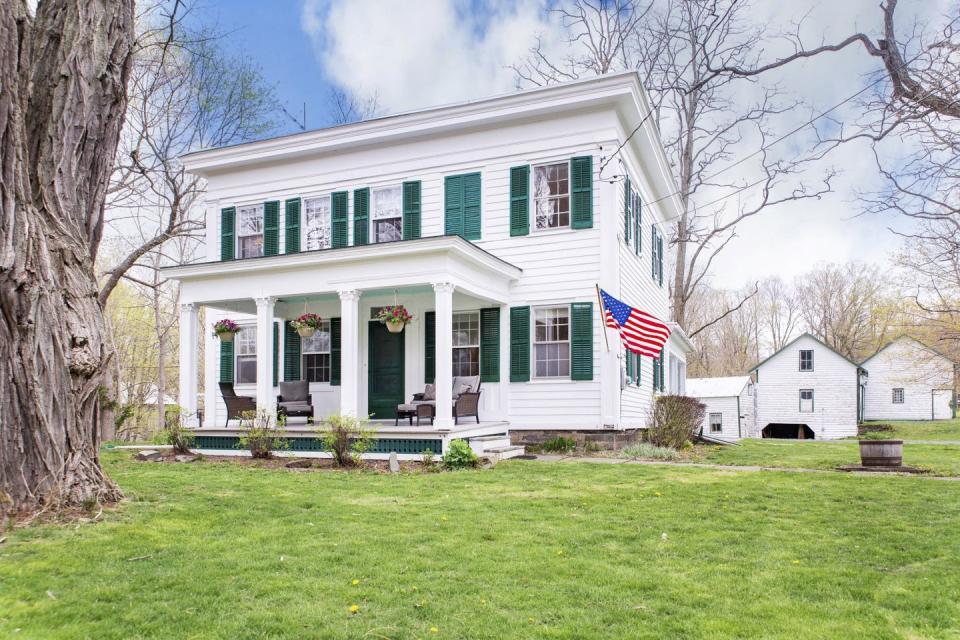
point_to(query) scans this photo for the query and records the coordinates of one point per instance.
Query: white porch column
(443, 307)
(211, 367)
(188, 361)
(266, 400)
(349, 352)
(504, 361)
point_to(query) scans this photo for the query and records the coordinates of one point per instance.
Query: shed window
(316, 354)
(806, 400)
(716, 423)
(250, 231)
(898, 395)
(551, 342)
(806, 360)
(551, 189)
(316, 225)
(387, 214)
(246, 355)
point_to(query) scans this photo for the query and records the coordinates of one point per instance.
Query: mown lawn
(814, 454)
(526, 550)
(924, 430)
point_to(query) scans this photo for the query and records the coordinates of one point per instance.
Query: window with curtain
(316, 223)
(250, 231)
(245, 352)
(716, 423)
(386, 214)
(551, 193)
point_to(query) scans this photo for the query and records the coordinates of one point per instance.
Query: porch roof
(401, 263)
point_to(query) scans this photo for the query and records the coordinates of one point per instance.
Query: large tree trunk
(63, 80)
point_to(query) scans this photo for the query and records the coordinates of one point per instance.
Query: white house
(492, 221)
(909, 381)
(730, 405)
(808, 390)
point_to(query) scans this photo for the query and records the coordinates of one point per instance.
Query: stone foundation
(607, 439)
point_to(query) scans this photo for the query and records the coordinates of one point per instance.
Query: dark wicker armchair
(295, 399)
(465, 404)
(236, 405)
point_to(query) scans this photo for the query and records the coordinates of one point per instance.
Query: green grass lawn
(817, 454)
(526, 550)
(925, 430)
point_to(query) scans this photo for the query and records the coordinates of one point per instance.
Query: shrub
(674, 421)
(428, 460)
(559, 445)
(175, 432)
(647, 450)
(262, 433)
(865, 429)
(347, 438)
(459, 455)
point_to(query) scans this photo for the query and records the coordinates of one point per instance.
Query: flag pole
(603, 317)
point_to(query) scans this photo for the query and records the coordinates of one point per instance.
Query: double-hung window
(246, 355)
(806, 360)
(466, 343)
(250, 231)
(716, 423)
(551, 342)
(898, 395)
(316, 354)
(551, 191)
(806, 400)
(387, 214)
(316, 223)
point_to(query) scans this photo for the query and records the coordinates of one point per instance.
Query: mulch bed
(289, 463)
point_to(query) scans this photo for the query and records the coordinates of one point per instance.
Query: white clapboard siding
(925, 376)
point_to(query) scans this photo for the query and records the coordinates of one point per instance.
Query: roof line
(802, 335)
(908, 337)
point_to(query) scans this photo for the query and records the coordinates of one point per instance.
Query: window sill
(554, 381)
(551, 231)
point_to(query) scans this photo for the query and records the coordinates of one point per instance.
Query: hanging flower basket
(306, 325)
(225, 329)
(395, 317)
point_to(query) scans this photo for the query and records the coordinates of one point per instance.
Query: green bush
(647, 450)
(559, 445)
(459, 455)
(175, 432)
(262, 433)
(674, 421)
(347, 438)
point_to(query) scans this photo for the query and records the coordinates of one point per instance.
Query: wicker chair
(295, 399)
(236, 405)
(465, 404)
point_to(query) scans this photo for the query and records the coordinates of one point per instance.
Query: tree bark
(63, 75)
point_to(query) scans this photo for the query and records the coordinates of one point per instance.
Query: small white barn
(730, 413)
(808, 390)
(909, 381)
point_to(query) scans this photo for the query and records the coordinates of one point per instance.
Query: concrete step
(505, 453)
(483, 444)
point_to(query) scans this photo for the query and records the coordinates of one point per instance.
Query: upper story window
(806, 400)
(316, 223)
(551, 342)
(387, 214)
(250, 231)
(551, 192)
(316, 354)
(246, 355)
(806, 360)
(898, 395)
(466, 343)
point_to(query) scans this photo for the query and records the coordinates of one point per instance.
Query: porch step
(505, 453)
(483, 444)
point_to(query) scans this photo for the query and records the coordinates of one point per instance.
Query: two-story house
(492, 221)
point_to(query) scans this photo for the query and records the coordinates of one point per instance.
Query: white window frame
(719, 423)
(534, 342)
(534, 200)
(800, 360)
(903, 395)
(239, 226)
(374, 218)
(248, 329)
(304, 228)
(474, 314)
(324, 327)
(801, 400)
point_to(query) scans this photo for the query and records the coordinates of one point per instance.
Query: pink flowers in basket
(225, 329)
(395, 317)
(306, 324)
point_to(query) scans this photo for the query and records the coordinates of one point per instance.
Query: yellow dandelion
(560, 552)
(354, 608)
(656, 493)
(795, 561)
(443, 518)
(434, 630)
(355, 582)
(530, 620)
(482, 601)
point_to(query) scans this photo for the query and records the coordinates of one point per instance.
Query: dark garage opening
(788, 431)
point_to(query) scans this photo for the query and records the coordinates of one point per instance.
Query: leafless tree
(706, 119)
(727, 346)
(63, 72)
(778, 314)
(346, 107)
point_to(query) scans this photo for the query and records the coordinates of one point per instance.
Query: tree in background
(64, 73)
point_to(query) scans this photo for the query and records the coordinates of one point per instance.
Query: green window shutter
(653, 251)
(519, 344)
(581, 192)
(291, 353)
(462, 206)
(361, 215)
(638, 366)
(656, 373)
(490, 344)
(520, 200)
(228, 236)
(627, 211)
(581, 341)
(338, 208)
(411, 210)
(271, 228)
(631, 361)
(226, 361)
(638, 224)
(429, 346)
(660, 259)
(335, 352)
(471, 206)
(453, 205)
(293, 225)
(276, 353)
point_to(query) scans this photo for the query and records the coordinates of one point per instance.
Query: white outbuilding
(909, 381)
(730, 403)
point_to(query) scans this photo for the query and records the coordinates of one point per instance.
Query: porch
(355, 367)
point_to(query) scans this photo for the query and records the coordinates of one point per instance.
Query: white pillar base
(349, 352)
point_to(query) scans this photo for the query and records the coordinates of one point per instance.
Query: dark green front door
(385, 377)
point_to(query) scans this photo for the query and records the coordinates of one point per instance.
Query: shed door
(942, 400)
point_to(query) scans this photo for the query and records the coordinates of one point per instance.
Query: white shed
(730, 402)
(909, 381)
(808, 390)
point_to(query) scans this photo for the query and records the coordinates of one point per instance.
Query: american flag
(640, 332)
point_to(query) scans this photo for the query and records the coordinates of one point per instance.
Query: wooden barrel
(881, 453)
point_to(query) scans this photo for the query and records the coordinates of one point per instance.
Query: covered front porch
(457, 292)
